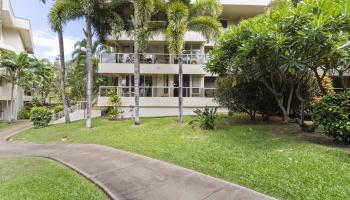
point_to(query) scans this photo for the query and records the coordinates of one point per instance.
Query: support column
(171, 85)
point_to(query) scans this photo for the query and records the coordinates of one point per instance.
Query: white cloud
(46, 45)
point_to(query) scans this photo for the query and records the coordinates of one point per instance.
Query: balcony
(147, 91)
(153, 58)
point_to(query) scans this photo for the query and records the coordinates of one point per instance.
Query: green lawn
(4, 125)
(38, 178)
(282, 166)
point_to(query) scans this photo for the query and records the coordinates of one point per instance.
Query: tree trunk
(12, 102)
(137, 82)
(302, 105)
(342, 82)
(181, 120)
(89, 72)
(136, 67)
(63, 74)
(320, 82)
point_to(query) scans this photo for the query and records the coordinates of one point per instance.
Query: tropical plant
(332, 112)
(18, 72)
(201, 16)
(281, 47)
(246, 97)
(76, 75)
(103, 17)
(114, 103)
(40, 116)
(204, 119)
(57, 18)
(24, 113)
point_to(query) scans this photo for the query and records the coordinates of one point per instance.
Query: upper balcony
(152, 63)
(153, 58)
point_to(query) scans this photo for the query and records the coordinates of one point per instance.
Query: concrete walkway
(124, 175)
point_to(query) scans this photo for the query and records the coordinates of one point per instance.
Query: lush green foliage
(332, 112)
(204, 119)
(248, 97)
(58, 108)
(24, 113)
(114, 103)
(245, 153)
(40, 116)
(285, 46)
(39, 178)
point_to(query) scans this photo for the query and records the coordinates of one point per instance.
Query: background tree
(18, 72)
(57, 18)
(100, 16)
(201, 16)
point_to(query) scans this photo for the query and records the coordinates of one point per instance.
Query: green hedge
(332, 112)
(40, 116)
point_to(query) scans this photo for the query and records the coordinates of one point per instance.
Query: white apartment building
(159, 70)
(15, 36)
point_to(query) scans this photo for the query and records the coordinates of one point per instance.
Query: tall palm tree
(18, 68)
(57, 18)
(142, 13)
(201, 16)
(100, 16)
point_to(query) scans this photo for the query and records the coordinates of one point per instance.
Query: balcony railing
(153, 58)
(147, 91)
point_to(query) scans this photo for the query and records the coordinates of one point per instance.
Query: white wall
(12, 38)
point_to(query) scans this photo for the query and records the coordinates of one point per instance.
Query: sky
(44, 39)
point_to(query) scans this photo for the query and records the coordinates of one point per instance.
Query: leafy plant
(333, 113)
(204, 119)
(114, 102)
(37, 101)
(58, 108)
(40, 116)
(24, 113)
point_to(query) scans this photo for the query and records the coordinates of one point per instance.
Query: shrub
(249, 97)
(333, 113)
(204, 119)
(24, 113)
(114, 102)
(40, 116)
(37, 101)
(58, 108)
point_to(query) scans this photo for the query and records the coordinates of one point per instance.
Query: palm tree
(201, 16)
(18, 68)
(57, 18)
(142, 13)
(99, 15)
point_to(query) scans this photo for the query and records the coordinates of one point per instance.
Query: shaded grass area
(4, 125)
(249, 154)
(38, 178)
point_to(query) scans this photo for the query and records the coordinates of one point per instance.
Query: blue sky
(45, 40)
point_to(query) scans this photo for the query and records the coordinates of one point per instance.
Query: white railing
(153, 58)
(80, 105)
(152, 91)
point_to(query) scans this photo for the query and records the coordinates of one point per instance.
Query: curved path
(124, 175)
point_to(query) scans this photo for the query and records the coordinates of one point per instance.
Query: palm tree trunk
(136, 67)
(89, 72)
(12, 102)
(181, 120)
(137, 83)
(63, 74)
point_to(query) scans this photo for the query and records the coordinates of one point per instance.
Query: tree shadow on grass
(277, 127)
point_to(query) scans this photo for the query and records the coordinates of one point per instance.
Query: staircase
(76, 112)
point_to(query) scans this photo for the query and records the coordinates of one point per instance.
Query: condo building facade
(159, 85)
(15, 36)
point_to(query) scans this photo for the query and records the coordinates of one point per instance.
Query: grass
(282, 166)
(38, 178)
(4, 125)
